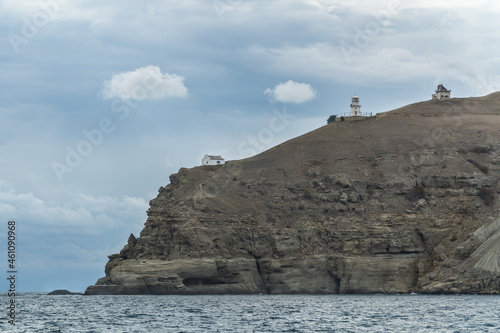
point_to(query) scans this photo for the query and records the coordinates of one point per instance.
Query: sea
(38, 312)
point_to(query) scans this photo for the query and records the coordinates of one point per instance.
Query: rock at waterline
(62, 292)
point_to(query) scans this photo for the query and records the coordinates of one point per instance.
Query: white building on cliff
(212, 160)
(441, 93)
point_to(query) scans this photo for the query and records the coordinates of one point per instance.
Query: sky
(101, 101)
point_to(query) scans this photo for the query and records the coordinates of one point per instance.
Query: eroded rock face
(403, 202)
(178, 276)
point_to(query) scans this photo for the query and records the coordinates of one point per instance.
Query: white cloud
(292, 92)
(83, 213)
(145, 83)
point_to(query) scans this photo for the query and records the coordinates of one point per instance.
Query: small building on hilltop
(355, 106)
(441, 93)
(212, 160)
(354, 115)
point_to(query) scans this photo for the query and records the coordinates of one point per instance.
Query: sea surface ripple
(39, 312)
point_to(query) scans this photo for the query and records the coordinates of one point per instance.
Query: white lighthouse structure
(355, 106)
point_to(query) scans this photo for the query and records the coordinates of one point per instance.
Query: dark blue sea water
(260, 313)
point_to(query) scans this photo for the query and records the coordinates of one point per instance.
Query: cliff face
(405, 201)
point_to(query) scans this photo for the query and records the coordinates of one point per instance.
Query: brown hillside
(404, 201)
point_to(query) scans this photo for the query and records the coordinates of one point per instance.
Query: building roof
(215, 157)
(442, 88)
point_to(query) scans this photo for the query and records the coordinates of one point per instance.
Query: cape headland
(405, 201)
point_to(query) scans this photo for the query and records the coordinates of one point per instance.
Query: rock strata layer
(402, 202)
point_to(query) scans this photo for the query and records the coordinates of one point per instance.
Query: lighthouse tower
(355, 106)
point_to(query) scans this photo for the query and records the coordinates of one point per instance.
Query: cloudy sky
(101, 101)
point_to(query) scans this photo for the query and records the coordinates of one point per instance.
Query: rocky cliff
(404, 201)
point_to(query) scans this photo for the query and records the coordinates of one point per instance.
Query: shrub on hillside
(416, 193)
(481, 167)
(487, 195)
